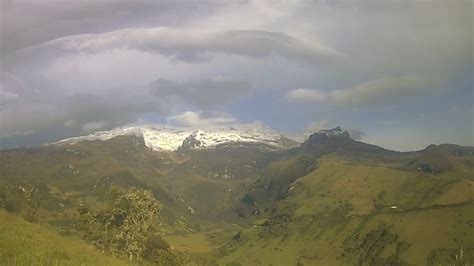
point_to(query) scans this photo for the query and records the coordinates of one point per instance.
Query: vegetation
(126, 225)
(24, 243)
(345, 213)
(116, 202)
(125, 222)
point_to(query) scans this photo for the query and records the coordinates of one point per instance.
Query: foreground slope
(23, 243)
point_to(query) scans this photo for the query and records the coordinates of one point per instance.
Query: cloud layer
(384, 68)
(377, 92)
(196, 44)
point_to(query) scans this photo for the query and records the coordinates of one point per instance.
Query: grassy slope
(87, 169)
(83, 172)
(331, 213)
(323, 216)
(23, 243)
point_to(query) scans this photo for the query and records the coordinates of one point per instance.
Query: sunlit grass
(23, 243)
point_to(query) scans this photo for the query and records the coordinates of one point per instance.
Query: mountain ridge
(169, 138)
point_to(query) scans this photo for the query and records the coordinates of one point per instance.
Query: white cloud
(201, 118)
(188, 44)
(93, 126)
(373, 93)
(306, 95)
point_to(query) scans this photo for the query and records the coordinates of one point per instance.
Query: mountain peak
(169, 138)
(334, 132)
(325, 136)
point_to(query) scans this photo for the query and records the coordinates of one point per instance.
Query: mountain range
(168, 138)
(245, 194)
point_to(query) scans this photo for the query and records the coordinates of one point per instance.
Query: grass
(371, 188)
(338, 206)
(311, 210)
(190, 243)
(23, 243)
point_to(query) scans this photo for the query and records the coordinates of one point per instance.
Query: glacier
(169, 138)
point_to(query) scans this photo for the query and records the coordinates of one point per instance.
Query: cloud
(203, 93)
(373, 93)
(10, 88)
(90, 112)
(75, 115)
(357, 134)
(315, 126)
(238, 56)
(306, 95)
(18, 134)
(27, 23)
(201, 118)
(195, 44)
(6, 96)
(310, 128)
(93, 126)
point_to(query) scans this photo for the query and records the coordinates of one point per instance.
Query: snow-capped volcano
(168, 138)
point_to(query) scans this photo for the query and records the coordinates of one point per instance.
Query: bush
(155, 242)
(157, 250)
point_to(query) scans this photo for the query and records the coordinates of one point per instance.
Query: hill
(332, 200)
(23, 243)
(344, 213)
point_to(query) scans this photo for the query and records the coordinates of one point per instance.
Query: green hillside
(327, 202)
(23, 243)
(343, 213)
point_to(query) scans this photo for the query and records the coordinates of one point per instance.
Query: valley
(331, 200)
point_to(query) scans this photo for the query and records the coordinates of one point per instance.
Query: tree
(32, 210)
(125, 222)
(140, 214)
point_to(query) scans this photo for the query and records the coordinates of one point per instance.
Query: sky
(398, 74)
